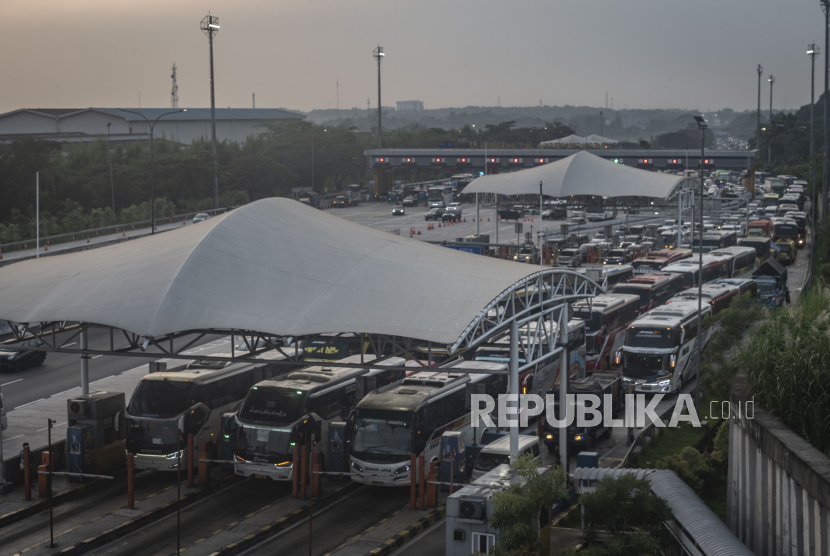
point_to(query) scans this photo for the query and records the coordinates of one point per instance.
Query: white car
(455, 207)
(201, 216)
(599, 237)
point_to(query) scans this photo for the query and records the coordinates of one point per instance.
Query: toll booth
(80, 452)
(453, 459)
(338, 457)
(226, 441)
(103, 411)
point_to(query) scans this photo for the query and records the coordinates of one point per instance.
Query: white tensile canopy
(274, 266)
(569, 140)
(582, 173)
(601, 140)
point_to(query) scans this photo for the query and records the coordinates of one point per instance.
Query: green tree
(516, 509)
(622, 506)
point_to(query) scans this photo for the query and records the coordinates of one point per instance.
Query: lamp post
(825, 5)
(769, 143)
(152, 163)
(600, 122)
(758, 125)
(109, 156)
(701, 123)
(378, 55)
(813, 52)
(210, 26)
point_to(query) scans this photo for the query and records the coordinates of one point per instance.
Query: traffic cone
(124, 234)
(1, 254)
(465, 220)
(183, 222)
(488, 219)
(46, 248)
(96, 234)
(25, 247)
(47, 243)
(73, 238)
(439, 224)
(87, 240)
(133, 227)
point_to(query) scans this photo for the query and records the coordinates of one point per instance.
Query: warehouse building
(88, 124)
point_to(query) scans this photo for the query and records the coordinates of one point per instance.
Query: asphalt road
(61, 371)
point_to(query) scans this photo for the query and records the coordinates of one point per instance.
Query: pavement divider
(409, 533)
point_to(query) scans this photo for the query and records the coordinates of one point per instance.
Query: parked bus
(440, 196)
(656, 261)
(742, 260)
(609, 276)
(332, 347)
(716, 240)
(759, 228)
(653, 289)
(762, 246)
(776, 185)
(606, 319)
(785, 228)
(713, 268)
(718, 295)
(278, 414)
(196, 394)
(411, 415)
(658, 354)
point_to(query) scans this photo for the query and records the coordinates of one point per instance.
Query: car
(410, 201)
(569, 258)
(555, 214)
(398, 210)
(576, 221)
(599, 237)
(455, 207)
(525, 255)
(200, 217)
(16, 360)
(451, 216)
(434, 213)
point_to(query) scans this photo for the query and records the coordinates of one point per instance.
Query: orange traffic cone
(46, 248)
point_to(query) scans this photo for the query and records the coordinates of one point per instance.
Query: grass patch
(671, 442)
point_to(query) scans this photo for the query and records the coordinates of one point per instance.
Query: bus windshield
(273, 405)
(640, 365)
(435, 194)
(488, 461)
(263, 441)
(162, 398)
(379, 431)
(766, 287)
(593, 321)
(649, 338)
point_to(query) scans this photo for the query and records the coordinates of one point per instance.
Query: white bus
(606, 317)
(743, 261)
(196, 394)
(277, 414)
(410, 416)
(440, 196)
(658, 353)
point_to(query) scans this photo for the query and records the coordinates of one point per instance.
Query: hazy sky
(645, 53)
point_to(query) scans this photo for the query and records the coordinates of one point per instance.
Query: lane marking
(53, 426)
(12, 382)
(96, 357)
(30, 403)
(12, 438)
(67, 345)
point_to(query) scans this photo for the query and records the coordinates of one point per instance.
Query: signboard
(445, 144)
(474, 249)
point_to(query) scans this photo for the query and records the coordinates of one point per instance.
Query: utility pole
(109, 157)
(210, 26)
(825, 4)
(600, 122)
(758, 125)
(701, 123)
(378, 55)
(769, 142)
(813, 52)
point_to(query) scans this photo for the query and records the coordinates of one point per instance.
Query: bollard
(432, 491)
(412, 482)
(315, 479)
(303, 470)
(452, 471)
(189, 460)
(130, 482)
(42, 481)
(422, 479)
(27, 472)
(295, 465)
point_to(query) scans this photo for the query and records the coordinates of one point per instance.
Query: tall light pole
(825, 4)
(378, 55)
(152, 163)
(813, 52)
(210, 26)
(758, 125)
(600, 122)
(109, 156)
(701, 123)
(769, 143)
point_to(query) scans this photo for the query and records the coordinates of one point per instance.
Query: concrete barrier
(779, 485)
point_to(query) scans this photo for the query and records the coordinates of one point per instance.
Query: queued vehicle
(410, 201)
(656, 261)
(450, 216)
(606, 317)
(569, 258)
(201, 217)
(652, 289)
(617, 256)
(398, 210)
(455, 207)
(17, 360)
(786, 250)
(434, 213)
(526, 254)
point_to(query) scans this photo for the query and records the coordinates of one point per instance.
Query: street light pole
(152, 163)
(109, 156)
(600, 122)
(378, 55)
(210, 26)
(825, 4)
(701, 123)
(769, 143)
(813, 52)
(758, 125)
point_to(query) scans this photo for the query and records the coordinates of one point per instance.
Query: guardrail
(115, 228)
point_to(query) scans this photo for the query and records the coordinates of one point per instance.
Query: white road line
(53, 426)
(65, 391)
(30, 403)
(96, 357)
(12, 382)
(12, 438)
(67, 345)
(101, 379)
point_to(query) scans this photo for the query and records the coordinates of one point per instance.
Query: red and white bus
(656, 261)
(718, 296)
(653, 289)
(690, 270)
(606, 317)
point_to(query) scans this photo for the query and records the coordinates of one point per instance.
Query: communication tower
(174, 94)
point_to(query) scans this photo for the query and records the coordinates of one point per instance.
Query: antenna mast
(174, 93)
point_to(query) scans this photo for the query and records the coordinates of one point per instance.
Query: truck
(771, 278)
(598, 383)
(311, 199)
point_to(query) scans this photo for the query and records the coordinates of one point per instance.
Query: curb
(58, 499)
(282, 523)
(145, 519)
(409, 533)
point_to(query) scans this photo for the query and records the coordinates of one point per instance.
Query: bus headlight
(357, 467)
(578, 438)
(174, 455)
(549, 437)
(664, 383)
(284, 464)
(400, 470)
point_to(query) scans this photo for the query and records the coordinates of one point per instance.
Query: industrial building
(75, 125)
